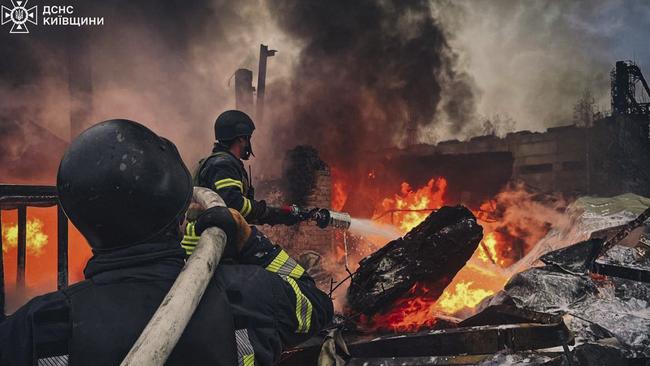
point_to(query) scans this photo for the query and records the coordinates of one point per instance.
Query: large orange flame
(409, 208)
(41, 259)
(36, 238)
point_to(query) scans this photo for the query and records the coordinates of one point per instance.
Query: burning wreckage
(455, 286)
(585, 304)
(516, 276)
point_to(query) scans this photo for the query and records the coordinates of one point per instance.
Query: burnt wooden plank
(433, 252)
(453, 345)
(469, 341)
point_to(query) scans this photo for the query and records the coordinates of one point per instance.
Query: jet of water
(365, 227)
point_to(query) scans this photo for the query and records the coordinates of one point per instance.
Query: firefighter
(126, 189)
(223, 171)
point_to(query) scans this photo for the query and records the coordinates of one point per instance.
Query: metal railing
(20, 197)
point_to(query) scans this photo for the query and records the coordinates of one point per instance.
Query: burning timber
(433, 252)
(580, 306)
(540, 313)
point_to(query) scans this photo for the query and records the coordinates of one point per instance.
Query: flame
(36, 238)
(462, 296)
(487, 251)
(339, 193)
(415, 310)
(409, 208)
(41, 259)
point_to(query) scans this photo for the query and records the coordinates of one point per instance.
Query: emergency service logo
(50, 16)
(19, 15)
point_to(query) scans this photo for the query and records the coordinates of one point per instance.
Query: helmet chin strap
(248, 150)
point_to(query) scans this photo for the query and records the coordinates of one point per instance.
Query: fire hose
(165, 328)
(159, 337)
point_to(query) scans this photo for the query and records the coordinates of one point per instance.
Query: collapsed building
(606, 156)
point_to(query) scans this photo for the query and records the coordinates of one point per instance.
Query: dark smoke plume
(369, 75)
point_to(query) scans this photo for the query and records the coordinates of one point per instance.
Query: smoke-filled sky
(530, 59)
(350, 76)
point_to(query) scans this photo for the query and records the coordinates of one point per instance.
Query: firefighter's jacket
(225, 174)
(249, 312)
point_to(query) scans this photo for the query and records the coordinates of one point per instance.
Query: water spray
(326, 218)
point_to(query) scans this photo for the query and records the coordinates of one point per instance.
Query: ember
(410, 313)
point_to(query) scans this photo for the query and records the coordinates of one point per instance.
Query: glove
(231, 222)
(283, 216)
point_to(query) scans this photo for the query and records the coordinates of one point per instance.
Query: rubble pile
(606, 314)
(578, 306)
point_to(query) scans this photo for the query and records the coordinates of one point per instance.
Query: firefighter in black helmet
(126, 189)
(224, 172)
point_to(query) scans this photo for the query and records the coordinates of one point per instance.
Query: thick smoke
(532, 60)
(350, 76)
(370, 75)
(166, 64)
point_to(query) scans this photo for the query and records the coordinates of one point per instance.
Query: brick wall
(305, 236)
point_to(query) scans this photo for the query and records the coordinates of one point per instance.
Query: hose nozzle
(327, 218)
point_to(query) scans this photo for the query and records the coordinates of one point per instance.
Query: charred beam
(508, 314)
(469, 341)
(261, 81)
(462, 344)
(630, 273)
(420, 361)
(433, 252)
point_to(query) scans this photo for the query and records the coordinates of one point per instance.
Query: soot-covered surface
(434, 251)
(595, 307)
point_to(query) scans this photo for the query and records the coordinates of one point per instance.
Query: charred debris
(587, 304)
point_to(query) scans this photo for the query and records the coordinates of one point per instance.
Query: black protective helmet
(232, 124)
(121, 184)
